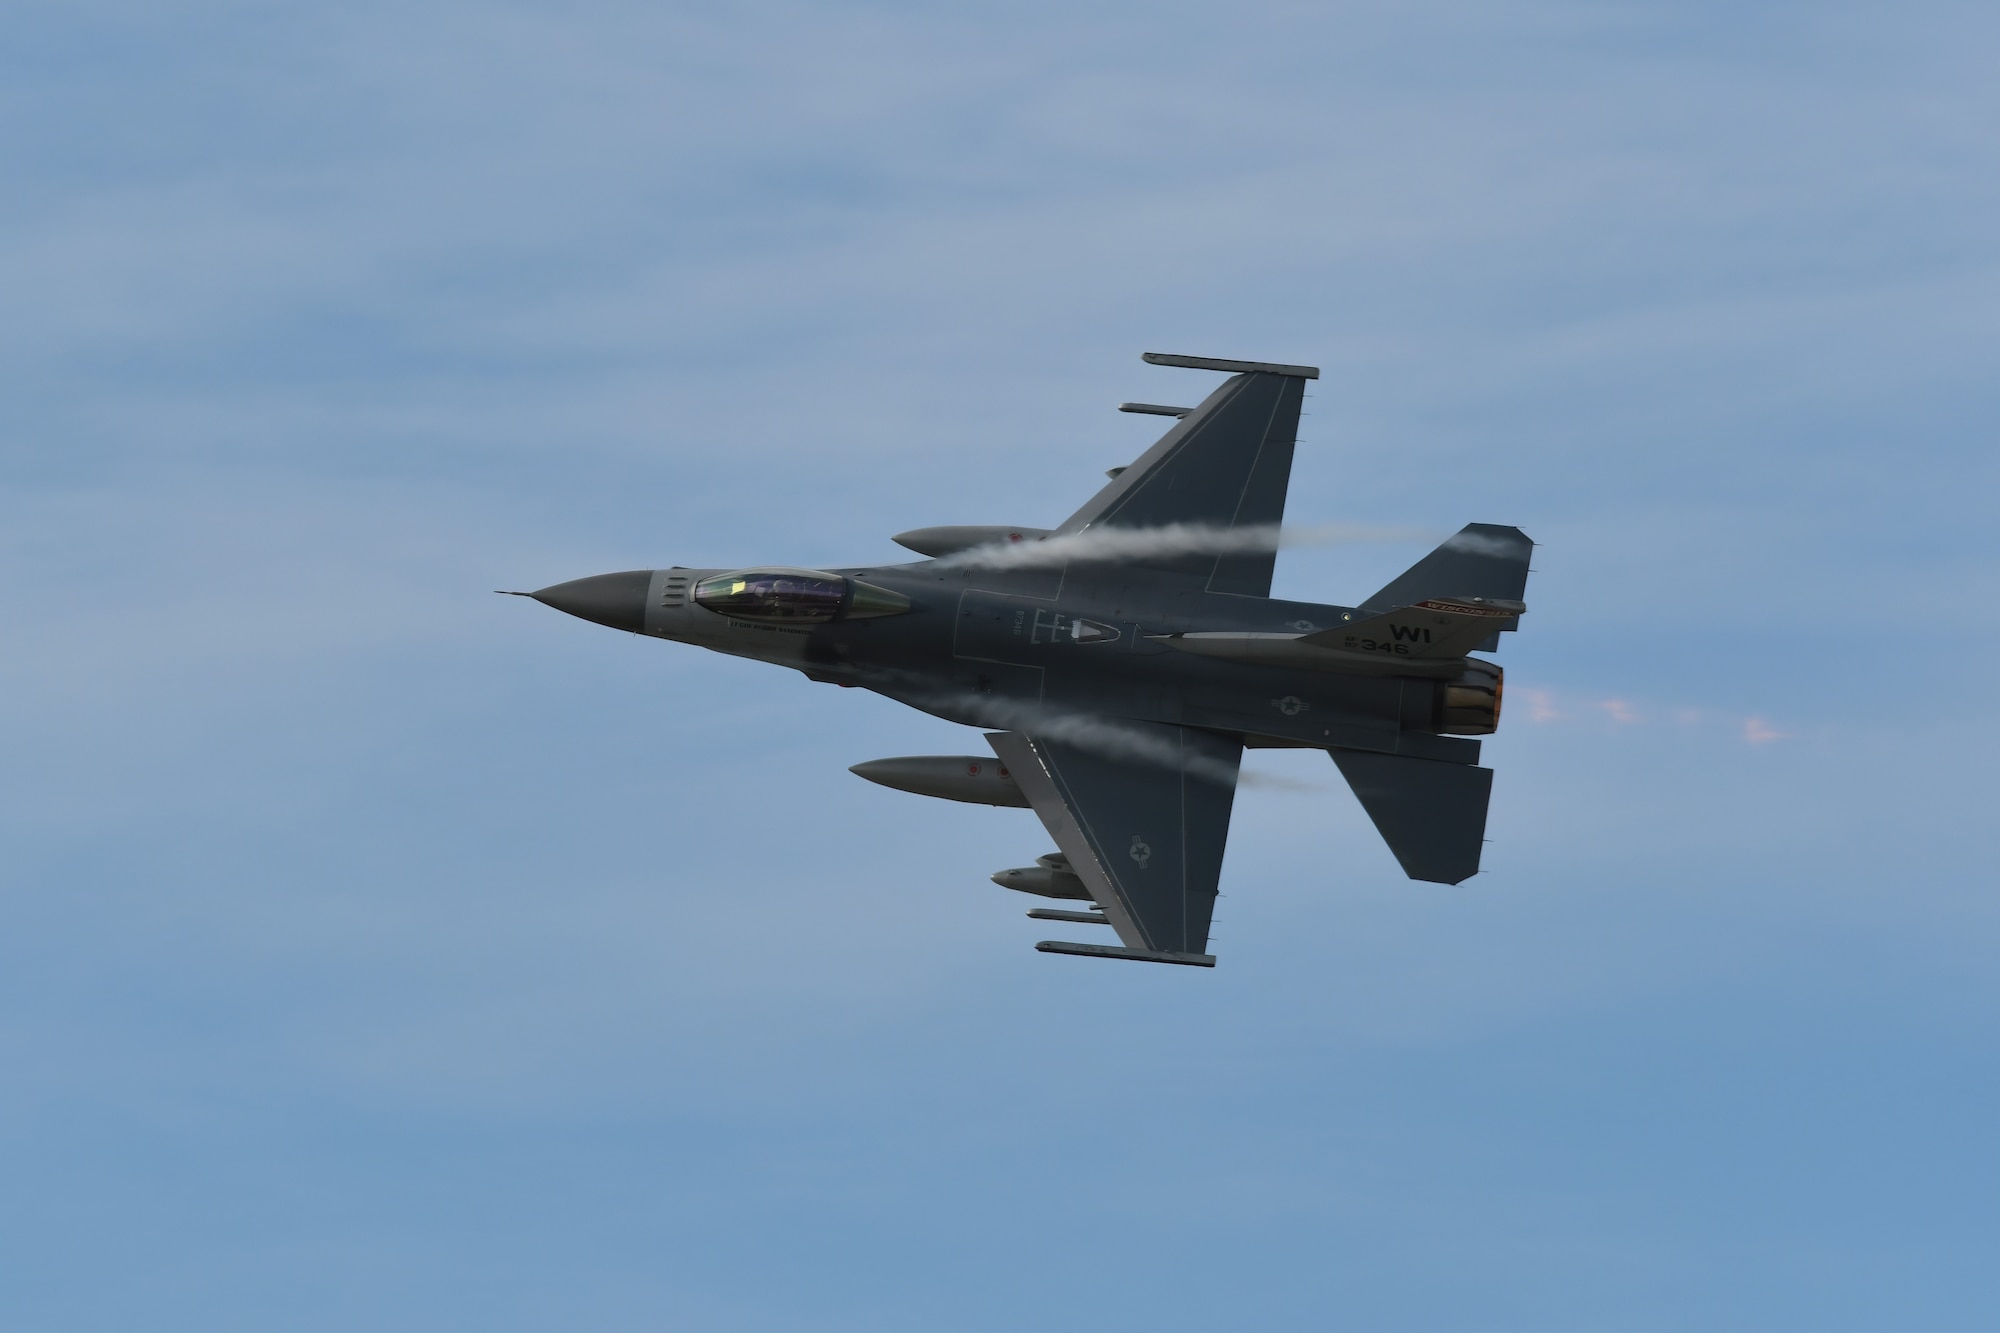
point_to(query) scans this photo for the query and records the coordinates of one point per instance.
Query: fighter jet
(1122, 661)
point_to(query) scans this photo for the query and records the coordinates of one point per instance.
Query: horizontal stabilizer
(1432, 814)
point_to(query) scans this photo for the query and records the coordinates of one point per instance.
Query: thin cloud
(1759, 732)
(1618, 710)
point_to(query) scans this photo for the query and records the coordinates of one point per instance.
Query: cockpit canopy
(795, 596)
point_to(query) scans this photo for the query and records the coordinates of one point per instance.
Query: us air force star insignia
(1291, 705)
(1140, 851)
(1305, 625)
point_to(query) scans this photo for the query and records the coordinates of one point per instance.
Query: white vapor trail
(1472, 543)
(1098, 735)
(1111, 545)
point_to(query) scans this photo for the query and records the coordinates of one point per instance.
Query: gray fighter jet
(1125, 659)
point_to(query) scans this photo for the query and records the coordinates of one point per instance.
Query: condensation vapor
(1474, 543)
(1100, 736)
(1113, 545)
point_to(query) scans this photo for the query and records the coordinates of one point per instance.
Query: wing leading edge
(1146, 835)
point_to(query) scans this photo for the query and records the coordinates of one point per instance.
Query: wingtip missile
(1136, 955)
(1232, 367)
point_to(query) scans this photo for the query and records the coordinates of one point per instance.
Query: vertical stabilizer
(1482, 560)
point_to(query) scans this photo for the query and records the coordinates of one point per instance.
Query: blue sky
(378, 952)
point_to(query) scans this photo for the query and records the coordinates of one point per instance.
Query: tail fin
(1480, 562)
(1432, 814)
(1435, 628)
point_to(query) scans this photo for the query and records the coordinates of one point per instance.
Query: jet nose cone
(617, 600)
